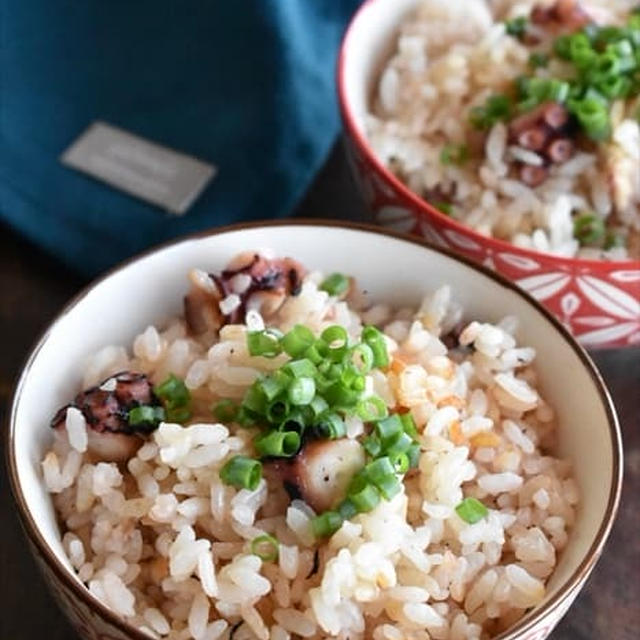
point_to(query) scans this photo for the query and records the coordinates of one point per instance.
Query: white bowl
(394, 268)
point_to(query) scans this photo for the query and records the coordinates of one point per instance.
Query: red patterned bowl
(598, 301)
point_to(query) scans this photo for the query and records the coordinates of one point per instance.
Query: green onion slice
(336, 284)
(242, 472)
(389, 429)
(362, 358)
(409, 425)
(297, 341)
(589, 228)
(374, 338)
(399, 461)
(301, 391)
(471, 510)
(413, 453)
(280, 444)
(264, 343)
(265, 547)
(326, 524)
(516, 27)
(363, 494)
(146, 416)
(173, 392)
(330, 425)
(372, 408)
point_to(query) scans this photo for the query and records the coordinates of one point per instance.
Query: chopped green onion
(372, 408)
(496, 108)
(255, 399)
(264, 343)
(471, 510)
(277, 410)
(301, 391)
(295, 421)
(454, 154)
(374, 338)
(339, 395)
(242, 472)
(614, 86)
(409, 425)
(381, 473)
(297, 341)
(413, 453)
(145, 417)
(346, 374)
(588, 228)
(318, 406)
(272, 386)
(173, 392)
(372, 445)
(326, 524)
(265, 547)
(302, 368)
(314, 354)
(593, 117)
(363, 495)
(379, 468)
(362, 358)
(516, 27)
(399, 461)
(562, 48)
(538, 60)
(335, 285)
(336, 339)
(389, 429)
(330, 425)
(280, 444)
(347, 509)
(401, 443)
(389, 486)
(580, 51)
(225, 410)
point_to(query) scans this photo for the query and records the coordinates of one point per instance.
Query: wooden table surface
(35, 286)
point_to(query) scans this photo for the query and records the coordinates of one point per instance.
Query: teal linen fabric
(247, 85)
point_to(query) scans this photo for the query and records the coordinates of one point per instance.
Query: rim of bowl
(422, 205)
(529, 621)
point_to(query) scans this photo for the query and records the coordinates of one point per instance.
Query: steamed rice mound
(165, 544)
(450, 58)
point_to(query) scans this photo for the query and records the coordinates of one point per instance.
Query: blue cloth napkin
(246, 85)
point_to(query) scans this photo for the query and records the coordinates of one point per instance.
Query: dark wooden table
(35, 286)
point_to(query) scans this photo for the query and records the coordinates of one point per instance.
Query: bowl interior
(367, 46)
(395, 270)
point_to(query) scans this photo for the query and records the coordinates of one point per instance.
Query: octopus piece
(533, 176)
(256, 281)
(105, 409)
(321, 472)
(563, 15)
(545, 132)
(560, 150)
(202, 304)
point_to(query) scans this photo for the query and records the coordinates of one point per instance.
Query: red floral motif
(599, 302)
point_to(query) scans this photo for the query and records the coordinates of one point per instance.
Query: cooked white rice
(164, 544)
(449, 57)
